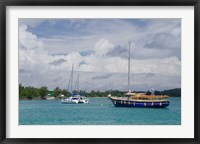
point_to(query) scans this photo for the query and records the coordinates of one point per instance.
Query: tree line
(40, 93)
(172, 92)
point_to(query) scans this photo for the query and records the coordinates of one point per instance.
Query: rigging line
(76, 86)
(72, 77)
(129, 66)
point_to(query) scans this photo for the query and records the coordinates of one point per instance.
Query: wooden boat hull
(131, 103)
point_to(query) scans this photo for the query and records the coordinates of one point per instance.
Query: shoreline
(60, 98)
(55, 98)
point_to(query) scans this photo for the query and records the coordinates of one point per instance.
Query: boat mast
(78, 83)
(70, 84)
(72, 77)
(129, 50)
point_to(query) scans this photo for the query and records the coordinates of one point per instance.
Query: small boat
(139, 99)
(82, 98)
(75, 98)
(50, 98)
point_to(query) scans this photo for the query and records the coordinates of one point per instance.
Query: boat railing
(150, 97)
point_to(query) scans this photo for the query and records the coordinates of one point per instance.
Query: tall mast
(129, 50)
(78, 83)
(72, 77)
(70, 84)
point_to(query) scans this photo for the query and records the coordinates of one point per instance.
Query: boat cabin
(150, 97)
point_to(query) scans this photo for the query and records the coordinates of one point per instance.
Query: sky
(98, 48)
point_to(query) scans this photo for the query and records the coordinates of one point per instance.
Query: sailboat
(82, 98)
(139, 99)
(74, 98)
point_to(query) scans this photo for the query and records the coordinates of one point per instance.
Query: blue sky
(98, 48)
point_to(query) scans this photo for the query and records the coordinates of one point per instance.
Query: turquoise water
(100, 111)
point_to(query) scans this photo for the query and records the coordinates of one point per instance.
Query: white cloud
(102, 47)
(27, 39)
(166, 66)
(39, 57)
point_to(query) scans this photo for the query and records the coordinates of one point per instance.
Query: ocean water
(100, 111)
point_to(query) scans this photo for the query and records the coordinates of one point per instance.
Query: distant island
(43, 92)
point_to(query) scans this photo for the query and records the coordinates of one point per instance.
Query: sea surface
(100, 111)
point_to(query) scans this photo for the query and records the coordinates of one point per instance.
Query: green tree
(29, 92)
(43, 91)
(173, 92)
(36, 92)
(148, 93)
(156, 92)
(22, 92)
(82, 92)
(65, 93)
(56, 92)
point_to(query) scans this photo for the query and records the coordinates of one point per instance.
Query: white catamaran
(75, 98)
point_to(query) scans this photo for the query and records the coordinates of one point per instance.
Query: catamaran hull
(83, 102)
(129, 103)
(69, 101)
